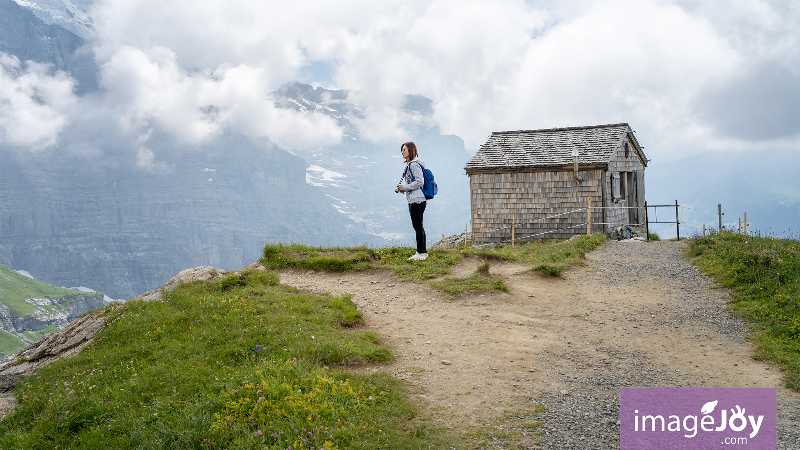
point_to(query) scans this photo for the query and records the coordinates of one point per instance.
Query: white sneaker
(419, 257)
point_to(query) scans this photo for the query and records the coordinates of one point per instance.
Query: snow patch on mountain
(318, 176)
(62, 13)
(25, 272)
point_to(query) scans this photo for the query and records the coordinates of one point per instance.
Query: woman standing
(411, 184)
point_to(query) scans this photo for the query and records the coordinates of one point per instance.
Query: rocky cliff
(122, 230)
(28, 37)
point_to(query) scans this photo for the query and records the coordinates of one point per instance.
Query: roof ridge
(587, 127)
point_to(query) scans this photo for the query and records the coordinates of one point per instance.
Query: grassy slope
(763, 275)
(16, 288)
(245, 363)
(240, 363)
(549, 258)
(34, 335)
(9, 343)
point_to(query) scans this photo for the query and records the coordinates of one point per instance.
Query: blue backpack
(429, 187)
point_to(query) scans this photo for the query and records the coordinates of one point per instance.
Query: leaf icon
(708, 408)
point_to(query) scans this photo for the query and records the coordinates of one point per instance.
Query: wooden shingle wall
(632, 164)
(531, 198)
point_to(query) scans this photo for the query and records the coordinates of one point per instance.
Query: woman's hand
(399, 188)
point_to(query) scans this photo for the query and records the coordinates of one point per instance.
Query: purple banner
(698, 418)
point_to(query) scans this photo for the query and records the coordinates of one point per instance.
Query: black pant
(416, 210)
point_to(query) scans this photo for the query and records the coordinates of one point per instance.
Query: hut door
(633, 216)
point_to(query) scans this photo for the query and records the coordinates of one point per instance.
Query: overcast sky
(689, 76)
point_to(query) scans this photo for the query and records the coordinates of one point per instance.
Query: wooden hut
(528, 179)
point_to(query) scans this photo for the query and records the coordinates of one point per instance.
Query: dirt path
(637, 315)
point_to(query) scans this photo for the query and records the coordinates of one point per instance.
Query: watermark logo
(698, 418)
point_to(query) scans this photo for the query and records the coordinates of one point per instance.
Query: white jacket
(413, 189)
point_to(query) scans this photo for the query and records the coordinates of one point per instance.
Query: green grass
(549, 258)
(763, 275)
(10, 343)
(239, 363)
(247, 363)
(476, 282)
(395, 259)
(15, 288)
(279, 256)
(34, 335)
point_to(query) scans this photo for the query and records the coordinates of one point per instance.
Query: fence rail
(516, 230)
(650, 215)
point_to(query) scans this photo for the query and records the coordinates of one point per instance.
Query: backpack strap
(408, 169)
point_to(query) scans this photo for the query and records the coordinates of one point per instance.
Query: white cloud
(154, 91)
(504, 65)
(194, 69)
(34, 104)
(146, 160)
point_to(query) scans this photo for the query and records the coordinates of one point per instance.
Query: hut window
(615, 185)
(623, 185)
(627, 150)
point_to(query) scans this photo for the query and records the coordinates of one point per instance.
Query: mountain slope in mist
(24, 34)
(125, 231)
(359, 175)
(763, 184)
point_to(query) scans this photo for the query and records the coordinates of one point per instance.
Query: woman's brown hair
(412, 150)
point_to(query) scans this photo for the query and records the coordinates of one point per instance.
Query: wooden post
(513, 222)
(646, 221)
(740, 225)
(466, 227)
(444, 242)
(704, 230)
(719, 213)
(588, 216)
(745, 224)
(677, 221)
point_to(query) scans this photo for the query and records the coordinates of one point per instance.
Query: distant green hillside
(16, 288)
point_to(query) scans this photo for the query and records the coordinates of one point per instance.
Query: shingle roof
(551, 147)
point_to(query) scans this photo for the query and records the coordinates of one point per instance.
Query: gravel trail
(638, 315)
